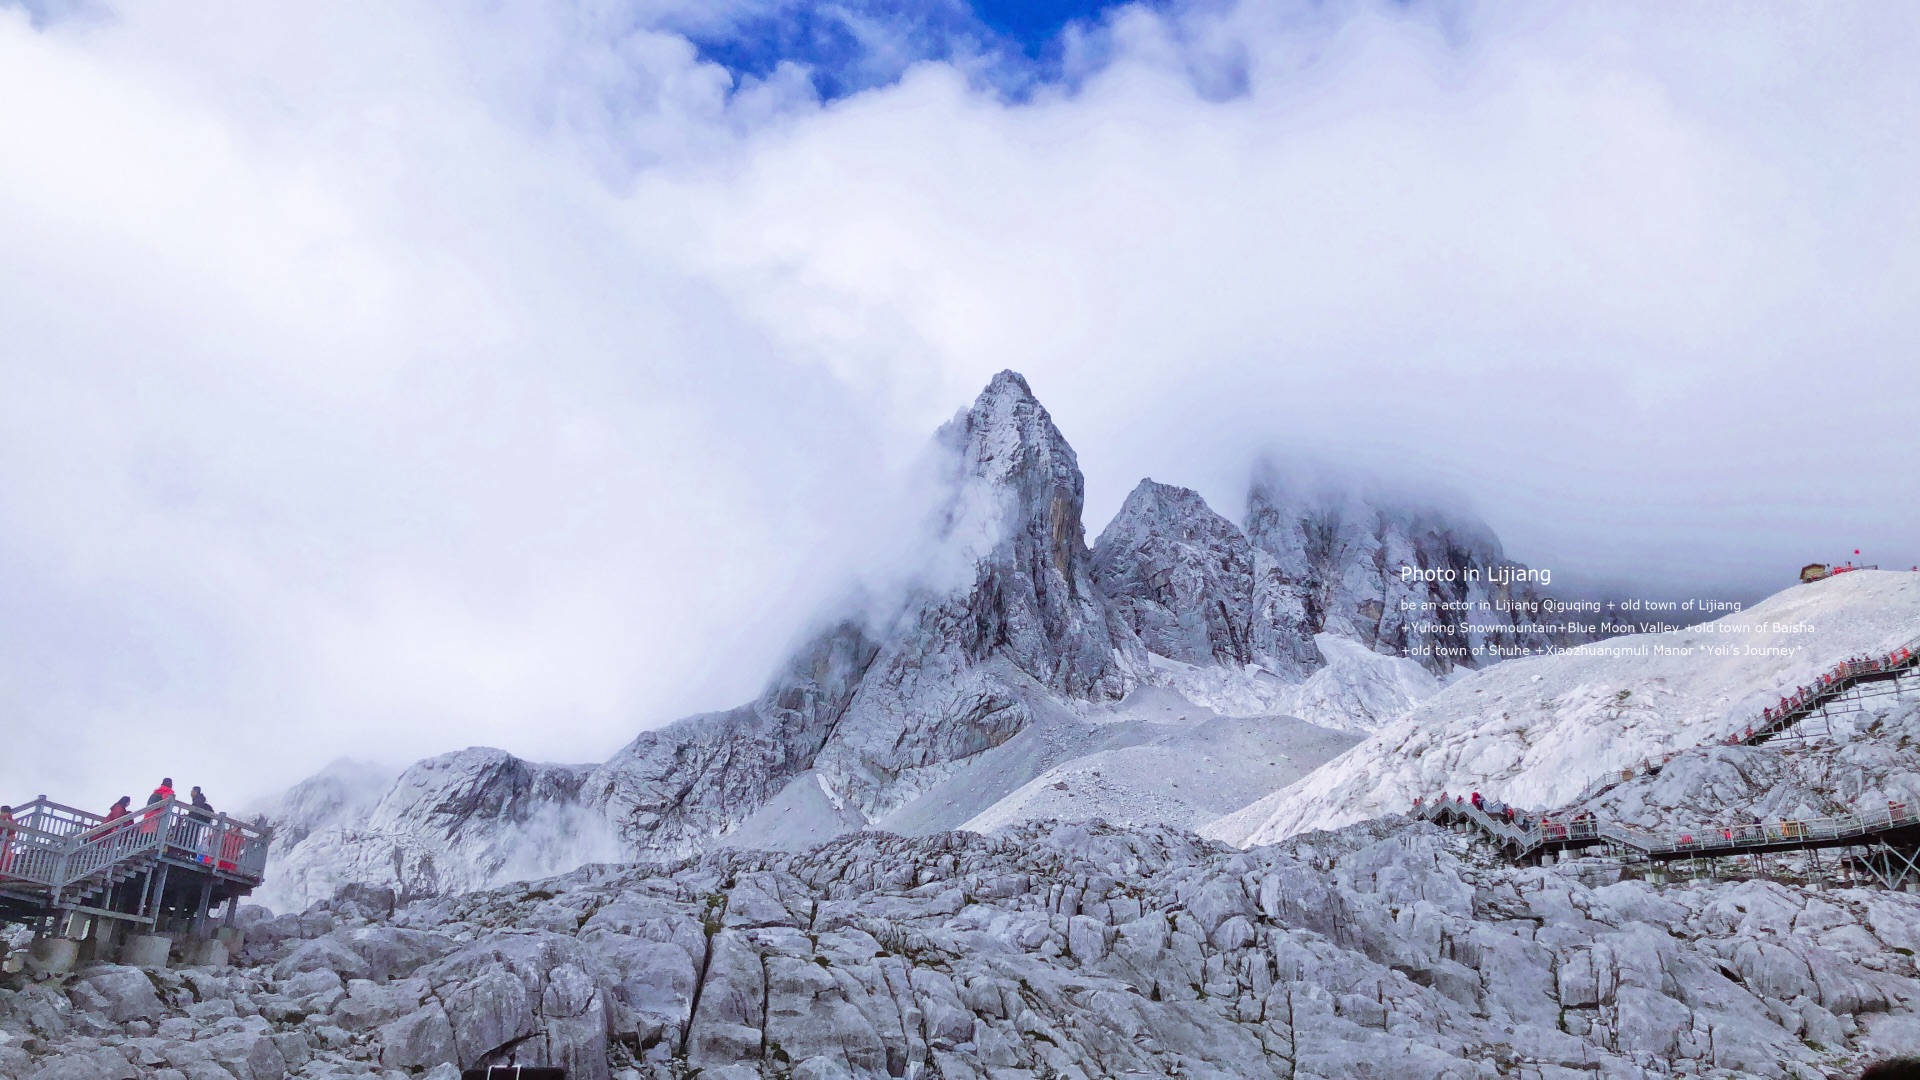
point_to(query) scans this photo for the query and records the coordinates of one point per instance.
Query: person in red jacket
(156, 803)
(118, 817)
(232, 841)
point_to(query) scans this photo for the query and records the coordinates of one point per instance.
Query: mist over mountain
(1008, 647)
(1398, 576)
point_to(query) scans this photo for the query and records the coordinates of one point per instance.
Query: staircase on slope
(1889, 840)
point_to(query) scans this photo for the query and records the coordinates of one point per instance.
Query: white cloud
(1577, 266)
(381, 379)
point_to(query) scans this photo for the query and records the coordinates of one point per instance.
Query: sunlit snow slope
(1185, 778)
(1357, 689)
(1536, 731)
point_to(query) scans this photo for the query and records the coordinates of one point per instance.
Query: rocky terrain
(1388, 950)
(1869, 760)
(1013, 650)
(812, 941)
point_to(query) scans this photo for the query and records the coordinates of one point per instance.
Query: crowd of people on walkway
(1791, 706)
(1493, 808)
(1584, 824)
(213, 839)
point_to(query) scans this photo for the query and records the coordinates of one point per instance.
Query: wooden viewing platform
(160, 871)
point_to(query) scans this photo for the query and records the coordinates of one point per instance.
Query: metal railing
(54, 819)
(58, 847)
(31, 855)
(1788, 833)
(1840, 682)
(1614, 778)
(1724, 839)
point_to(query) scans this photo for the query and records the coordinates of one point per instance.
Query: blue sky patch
(1034, 24)
(853, 45)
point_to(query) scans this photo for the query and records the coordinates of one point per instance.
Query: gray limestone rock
(98, 1064)
(329, 955)
(370, 1004)
(1194, 589)
(250, 1053)
(124, 993)
(419, 1039)
(1385, 949)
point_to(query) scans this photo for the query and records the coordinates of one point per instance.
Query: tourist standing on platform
(149, 821)
(201, 816)
(6, 839)
(119, 816)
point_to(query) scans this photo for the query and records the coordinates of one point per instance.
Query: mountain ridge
(1013, 633)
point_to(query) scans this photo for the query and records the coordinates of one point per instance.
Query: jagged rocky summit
(1315, 559)
(1016, 650)
(1194, 589)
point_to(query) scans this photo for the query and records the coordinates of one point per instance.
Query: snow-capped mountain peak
(1007, 650)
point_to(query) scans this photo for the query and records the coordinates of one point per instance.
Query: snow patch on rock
(1358, 689)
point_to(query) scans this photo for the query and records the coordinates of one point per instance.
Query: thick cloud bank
(382, 379)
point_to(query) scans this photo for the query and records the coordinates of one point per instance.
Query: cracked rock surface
(1387, 949)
